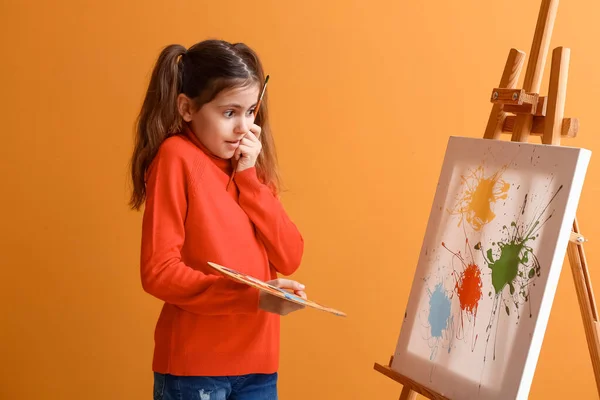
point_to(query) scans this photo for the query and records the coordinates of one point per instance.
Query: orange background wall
(364, 96)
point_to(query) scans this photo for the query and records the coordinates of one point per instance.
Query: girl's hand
(277, 305)
(249, 149)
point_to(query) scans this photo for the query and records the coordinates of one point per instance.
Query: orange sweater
(210, 325)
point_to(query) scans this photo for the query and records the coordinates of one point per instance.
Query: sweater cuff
(248, 297)
(252, 300)
(248, 179)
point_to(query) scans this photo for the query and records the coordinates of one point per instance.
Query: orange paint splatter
(468, 288)
(480, 192)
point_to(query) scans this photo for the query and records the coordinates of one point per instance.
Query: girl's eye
(251, 111)
(228, 113)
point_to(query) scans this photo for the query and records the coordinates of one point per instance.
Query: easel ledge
(542, 116)
(410, 387)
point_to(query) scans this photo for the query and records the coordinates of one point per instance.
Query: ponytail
(200, 73)
(158, 119)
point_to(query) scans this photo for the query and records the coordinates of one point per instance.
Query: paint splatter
(467, 287)
(514, 255)
(438, 320)
(514, 264)
(478, 195)
(440, 308)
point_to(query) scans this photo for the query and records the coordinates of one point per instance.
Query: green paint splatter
(513, 263)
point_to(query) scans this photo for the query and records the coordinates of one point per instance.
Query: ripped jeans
(244, 387)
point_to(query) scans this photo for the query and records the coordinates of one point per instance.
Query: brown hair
(200, 73)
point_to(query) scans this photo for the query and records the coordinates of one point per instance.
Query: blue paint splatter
(439, 311)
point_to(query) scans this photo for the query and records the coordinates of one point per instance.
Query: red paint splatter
(468, 288)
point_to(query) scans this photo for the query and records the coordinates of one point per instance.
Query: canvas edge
(394, 365)
(539, 331)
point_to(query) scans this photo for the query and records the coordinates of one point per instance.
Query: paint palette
(273, 290)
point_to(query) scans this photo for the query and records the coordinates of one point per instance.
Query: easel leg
(583, 285)
(587, 302)
(408, 394)
(535, 67)
(559, 72)
(510, 76)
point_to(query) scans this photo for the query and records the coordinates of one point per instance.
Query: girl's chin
(227, 155)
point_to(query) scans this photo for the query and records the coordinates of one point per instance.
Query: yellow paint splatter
(478, 195)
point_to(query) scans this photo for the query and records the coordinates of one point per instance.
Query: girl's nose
(241, 126)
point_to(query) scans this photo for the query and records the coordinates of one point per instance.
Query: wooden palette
(275, 291)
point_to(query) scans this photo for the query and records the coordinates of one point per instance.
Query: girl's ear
(185, 106)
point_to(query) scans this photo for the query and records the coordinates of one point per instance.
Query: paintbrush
(260, 97)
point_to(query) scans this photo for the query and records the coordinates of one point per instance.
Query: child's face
(223, 122)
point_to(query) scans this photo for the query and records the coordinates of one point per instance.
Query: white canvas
(489, 266)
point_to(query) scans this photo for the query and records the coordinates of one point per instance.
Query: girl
(215, 338)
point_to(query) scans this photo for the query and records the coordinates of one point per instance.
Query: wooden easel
(533, 114)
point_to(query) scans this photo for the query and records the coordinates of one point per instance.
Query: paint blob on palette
(275, 291)
(489, 265)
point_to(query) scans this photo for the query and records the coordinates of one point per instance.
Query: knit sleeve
(282, 240)
(163, 274)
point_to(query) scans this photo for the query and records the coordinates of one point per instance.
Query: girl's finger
(256, 130)
(302, 294)
(246, 141)
(248, 149)
(243, 149)
(287, 284)
(252, 135)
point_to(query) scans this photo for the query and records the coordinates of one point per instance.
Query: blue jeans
(244, 387)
